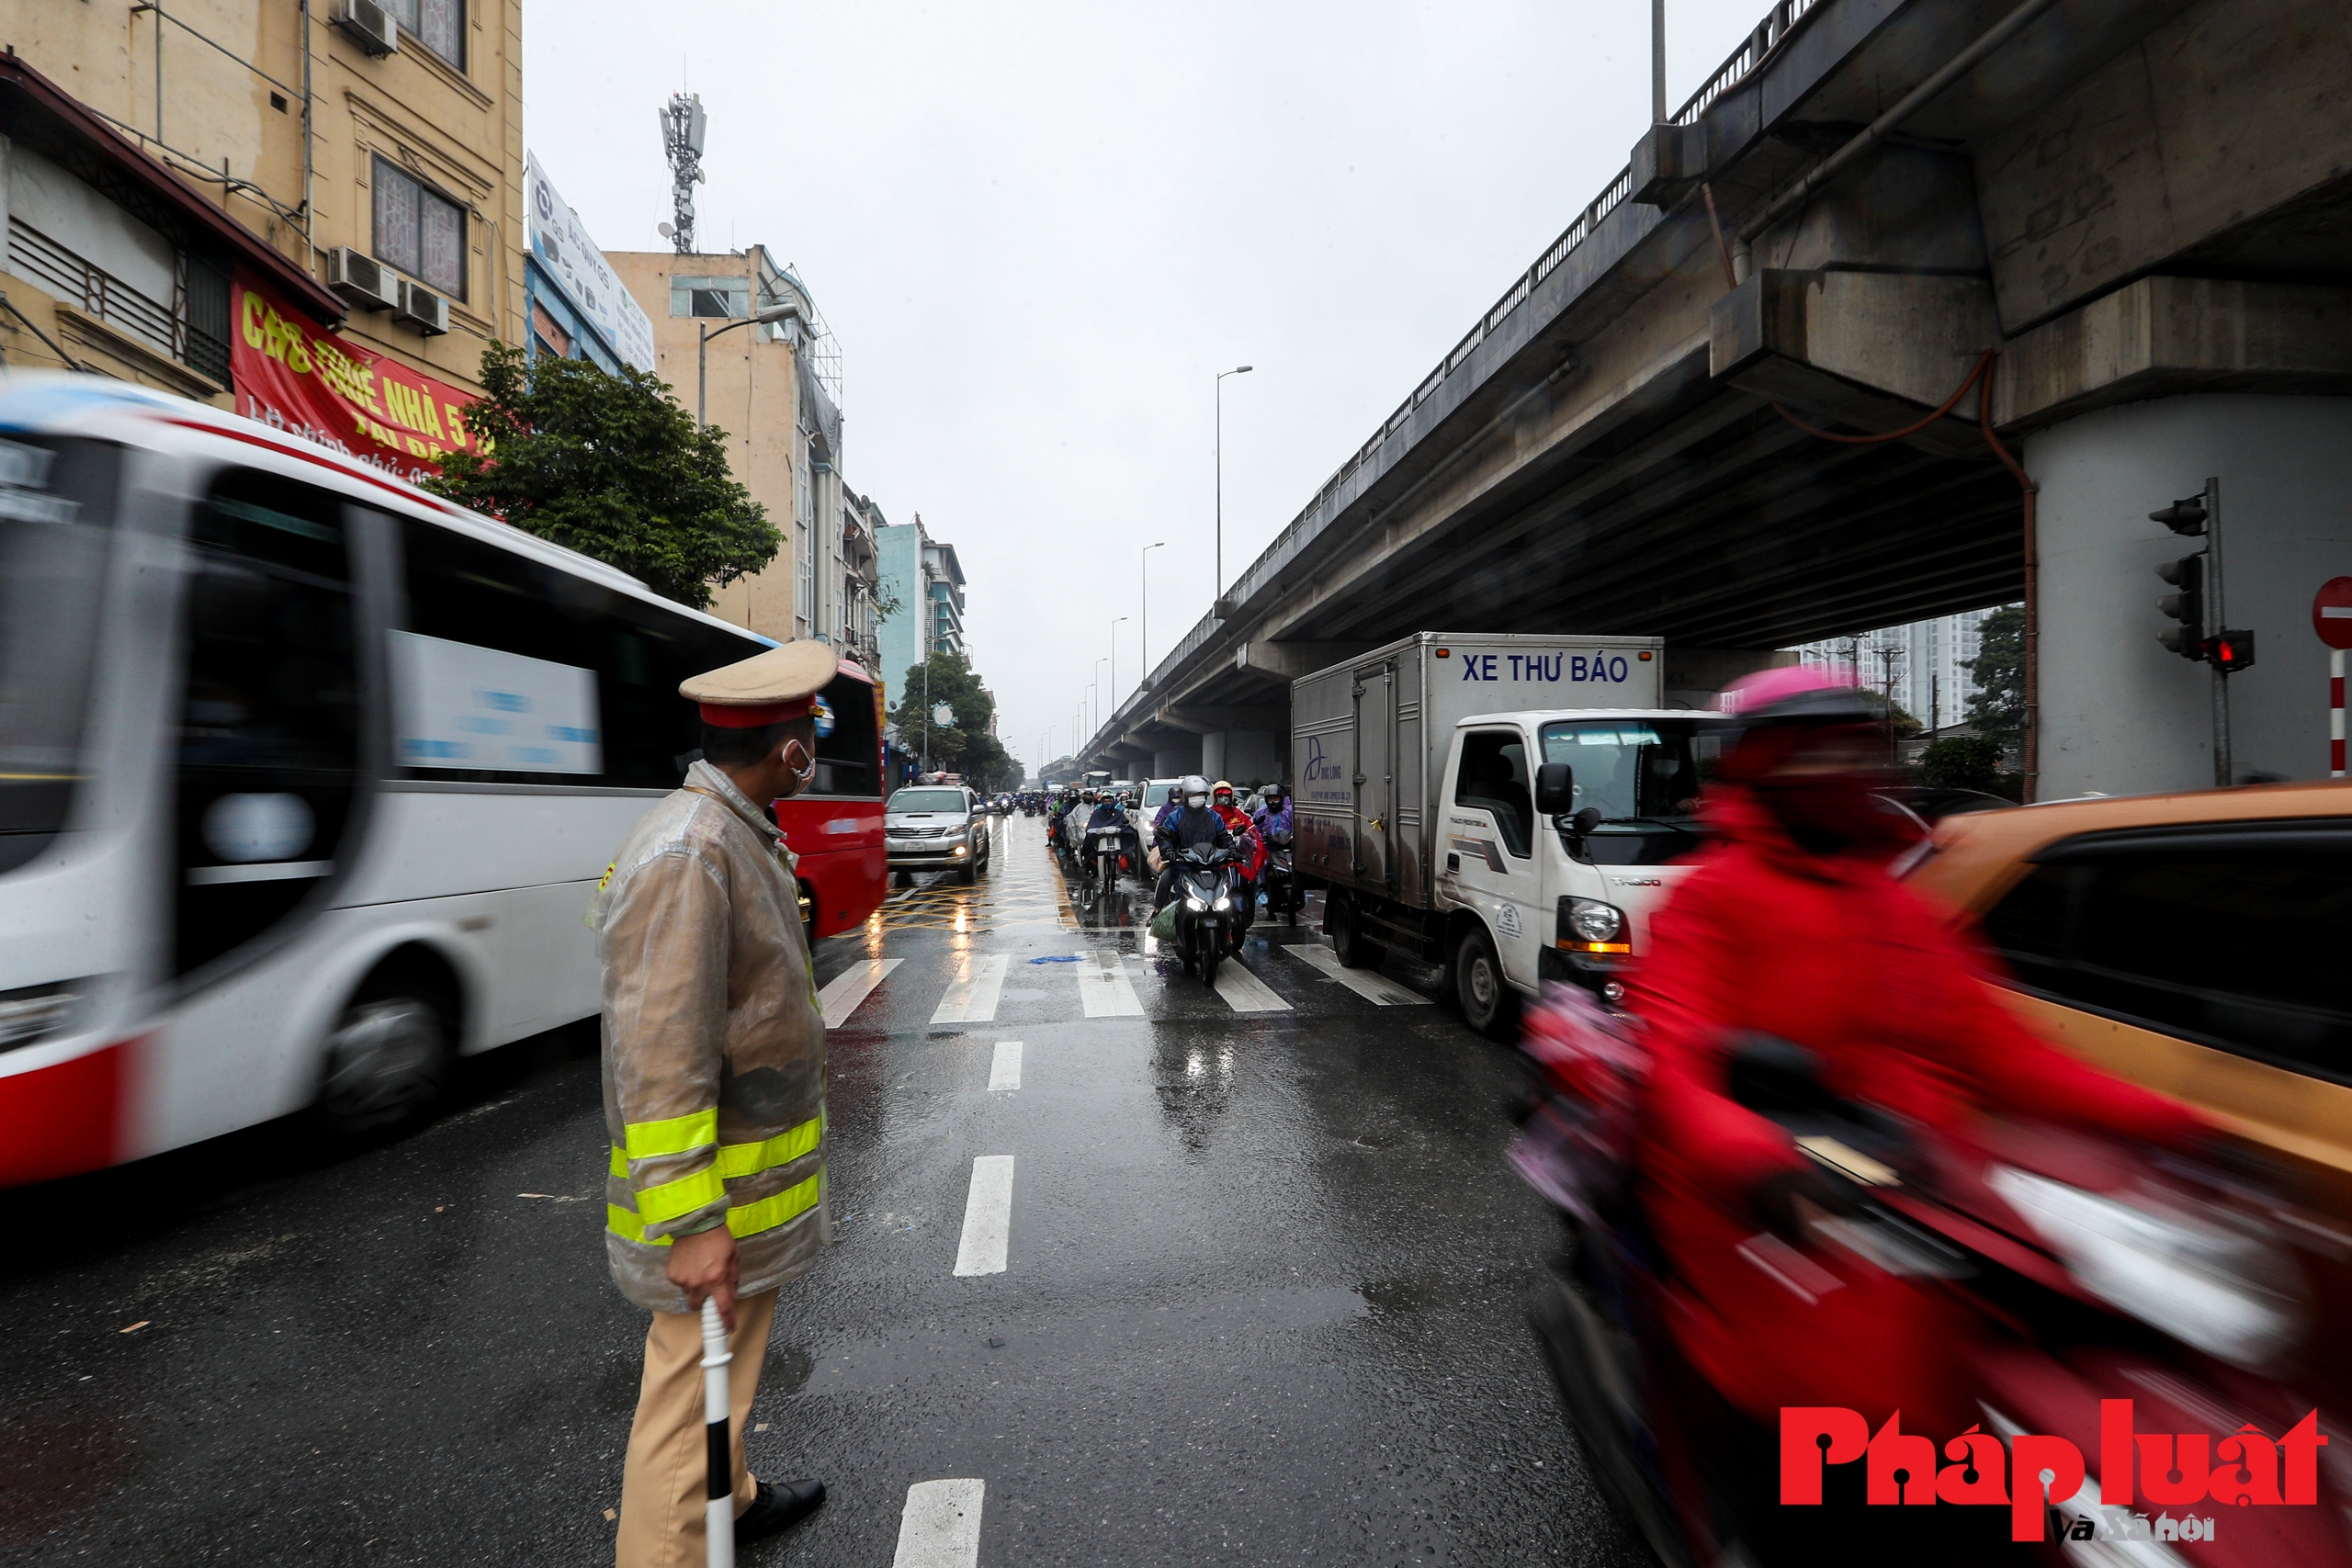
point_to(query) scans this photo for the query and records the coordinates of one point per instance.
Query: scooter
(2091, 1273)
(1206, 919)
(1105, 848)
(1282, 892)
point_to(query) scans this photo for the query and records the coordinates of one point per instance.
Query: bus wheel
(1488, 1004)
(387, 1061)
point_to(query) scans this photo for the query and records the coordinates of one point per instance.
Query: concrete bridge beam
(1245, 756)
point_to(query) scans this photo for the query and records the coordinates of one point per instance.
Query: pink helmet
(1791, 693)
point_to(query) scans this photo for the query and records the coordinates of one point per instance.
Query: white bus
(307, 777)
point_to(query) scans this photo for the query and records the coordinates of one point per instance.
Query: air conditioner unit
(363, 280)
(376, 28)
(423, 309)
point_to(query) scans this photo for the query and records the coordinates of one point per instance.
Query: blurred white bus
(305, 777)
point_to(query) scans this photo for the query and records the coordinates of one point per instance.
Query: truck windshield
(1643, 776)
(56, 519)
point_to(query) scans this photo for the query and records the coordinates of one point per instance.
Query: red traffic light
(2230, 651)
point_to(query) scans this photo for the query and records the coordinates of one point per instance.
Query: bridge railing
(1766, 36)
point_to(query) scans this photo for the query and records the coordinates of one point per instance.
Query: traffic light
(2188, 606)
(2186, 515)
(2230, 651)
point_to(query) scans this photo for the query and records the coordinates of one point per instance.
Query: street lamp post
(1115, 625)
(703, 334)
(1216, 594)
(1145, 572)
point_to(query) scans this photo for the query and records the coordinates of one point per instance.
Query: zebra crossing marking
(1244, 992)
(972, 996)
(1369, 984)
(1103, 989)
(844, 993)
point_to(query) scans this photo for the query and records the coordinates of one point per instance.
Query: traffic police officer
(714, 1065)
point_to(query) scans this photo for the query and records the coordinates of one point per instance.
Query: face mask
(1196, 801)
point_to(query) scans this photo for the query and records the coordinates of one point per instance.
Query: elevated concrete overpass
(2141, 210)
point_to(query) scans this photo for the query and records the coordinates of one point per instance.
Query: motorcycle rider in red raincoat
(1791, 926)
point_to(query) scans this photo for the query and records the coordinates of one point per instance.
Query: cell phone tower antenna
(683, 126)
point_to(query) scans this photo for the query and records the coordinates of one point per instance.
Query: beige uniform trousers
(666, 1485)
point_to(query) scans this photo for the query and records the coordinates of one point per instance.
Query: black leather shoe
(779, 1508)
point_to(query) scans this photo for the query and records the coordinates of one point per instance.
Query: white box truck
(1504, 806)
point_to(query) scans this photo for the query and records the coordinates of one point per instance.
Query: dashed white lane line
(941, 1527)
(847, 990)
(971, 997)
(988, 1217)
(1244, 992)
(1104, 987)
(1004, 1071)
(1369, 984)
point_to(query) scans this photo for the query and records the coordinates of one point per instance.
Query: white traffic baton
(719, 1513)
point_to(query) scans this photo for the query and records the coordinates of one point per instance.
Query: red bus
(835, 825)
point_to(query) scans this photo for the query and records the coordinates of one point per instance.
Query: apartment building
(317, 223)
(773, 386)
(923, 575)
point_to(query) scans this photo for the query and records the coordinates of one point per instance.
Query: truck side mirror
(1555, 789)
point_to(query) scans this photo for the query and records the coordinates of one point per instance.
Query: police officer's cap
(767, 688)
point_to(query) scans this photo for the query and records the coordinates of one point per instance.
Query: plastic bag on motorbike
(1577, 1145)
(1163, 924)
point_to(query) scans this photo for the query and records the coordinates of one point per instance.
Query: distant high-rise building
(1924, 665)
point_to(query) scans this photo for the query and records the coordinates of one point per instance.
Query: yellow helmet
(1220, 784)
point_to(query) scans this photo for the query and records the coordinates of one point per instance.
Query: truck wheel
(1355, 951)
(1488, 1003)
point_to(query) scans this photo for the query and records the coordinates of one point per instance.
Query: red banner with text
(292, 377)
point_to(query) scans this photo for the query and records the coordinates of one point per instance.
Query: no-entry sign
(2332, 612)
(2332, 619)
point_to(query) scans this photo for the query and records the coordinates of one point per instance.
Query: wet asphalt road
(1261, 1301)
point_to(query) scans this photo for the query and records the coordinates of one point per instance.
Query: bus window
(56, 517)
(268, 745)
(464, 591)
(848, 742)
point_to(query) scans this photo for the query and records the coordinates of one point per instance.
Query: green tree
(612, 467)
(1961, 762)
(965, 745)
(1997, 706)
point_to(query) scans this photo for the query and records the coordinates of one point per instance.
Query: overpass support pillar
(2119, 714)
(1244, 756)
(1177, 755)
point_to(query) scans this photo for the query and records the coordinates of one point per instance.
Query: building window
(438, 25)
(419, 231)
(726, 298)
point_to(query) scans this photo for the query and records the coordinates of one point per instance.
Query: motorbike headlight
(2220, 1290)
(1223, 901)
(1194, 903)
(1588, 919)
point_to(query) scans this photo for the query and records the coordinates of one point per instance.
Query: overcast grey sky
(1039, 230)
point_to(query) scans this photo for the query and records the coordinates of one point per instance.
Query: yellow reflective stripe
(677, 1136)
(749, 1159)
(618, 1166)
(669, 1200)
(750, 1219)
